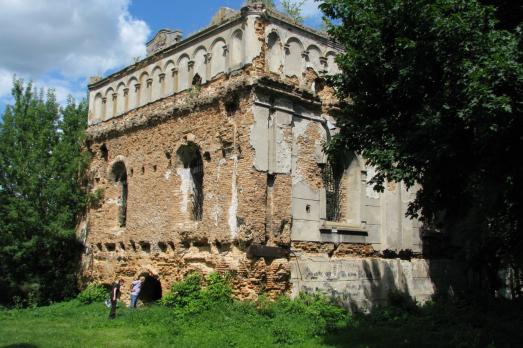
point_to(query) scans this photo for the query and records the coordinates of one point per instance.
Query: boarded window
(332, 174)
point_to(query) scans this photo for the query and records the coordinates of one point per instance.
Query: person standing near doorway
(115, 295)
(136, 287)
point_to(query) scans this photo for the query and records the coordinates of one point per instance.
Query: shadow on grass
(20, 345)
(464, 324)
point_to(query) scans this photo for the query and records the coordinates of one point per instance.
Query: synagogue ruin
(207, 155)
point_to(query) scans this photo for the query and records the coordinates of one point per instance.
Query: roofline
(167, 50)
(243, 13)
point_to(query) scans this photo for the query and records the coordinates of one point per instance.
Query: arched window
(190, 159)
(119, 173)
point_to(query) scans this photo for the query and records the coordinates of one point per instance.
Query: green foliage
(93, 293)
(41, 195)
(293, 9)
(433, 95)
(325, 315)
(218, 289)
(95, 198)
(240, 324)
(188, 296)
(185, 293)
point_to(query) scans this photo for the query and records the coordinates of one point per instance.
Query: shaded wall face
(366, 282)
(287, 138)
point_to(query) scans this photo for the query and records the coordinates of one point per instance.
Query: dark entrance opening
(151, 290)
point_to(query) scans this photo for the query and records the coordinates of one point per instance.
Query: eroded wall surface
(357, 279)
(194, 172)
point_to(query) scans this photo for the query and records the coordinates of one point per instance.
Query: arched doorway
(151, 289)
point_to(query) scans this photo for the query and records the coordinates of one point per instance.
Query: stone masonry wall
(159, 237)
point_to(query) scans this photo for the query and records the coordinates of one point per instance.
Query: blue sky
(60, 43)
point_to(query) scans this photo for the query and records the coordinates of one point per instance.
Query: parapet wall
(229, 45)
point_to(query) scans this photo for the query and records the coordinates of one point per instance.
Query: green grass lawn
(237, 324)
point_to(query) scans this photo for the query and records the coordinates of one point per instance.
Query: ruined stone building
(207, 155)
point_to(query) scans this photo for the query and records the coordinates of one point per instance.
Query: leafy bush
(189, 296)
(323, 313)
(93, 293)
(185, 293)
(218, 289)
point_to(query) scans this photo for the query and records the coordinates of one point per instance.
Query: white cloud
(6, 82)
(59, 43)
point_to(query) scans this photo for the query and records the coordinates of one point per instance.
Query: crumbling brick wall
(159, 236)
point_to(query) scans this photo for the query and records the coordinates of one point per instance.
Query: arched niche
(218, 57)
(97, 112)
(145, 89)
(190, 168)
(157, 84)
(121, 99)
(200, 66)
(109, 103)
(275, 53)
(183, 73)
(236, 58)
(332, 67)
(293, 59)
(169, 71)
(133, 93)
(314, 61)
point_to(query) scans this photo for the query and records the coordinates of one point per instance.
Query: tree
(41, 166)
(293, 9)
(433, 95)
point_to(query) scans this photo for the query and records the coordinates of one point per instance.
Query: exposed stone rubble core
(212, 145)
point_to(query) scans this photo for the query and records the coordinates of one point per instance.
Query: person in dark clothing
(115, 295)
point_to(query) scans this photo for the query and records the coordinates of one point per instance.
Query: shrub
(187, 296)
(326, 315)
(323, 310)
(218, 289)
(93, 293)
(185, 293)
